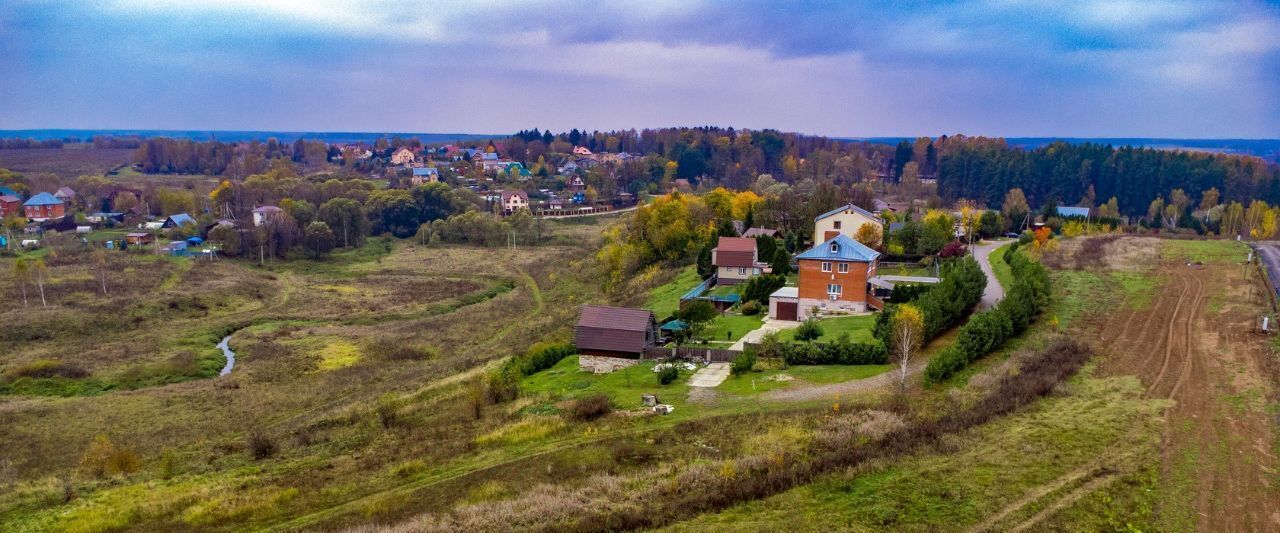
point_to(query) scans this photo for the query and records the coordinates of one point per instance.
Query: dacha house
(844, 220)
(43, 206)
(736, 260)
(610, 338)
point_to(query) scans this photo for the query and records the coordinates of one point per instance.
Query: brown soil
(1219, 440)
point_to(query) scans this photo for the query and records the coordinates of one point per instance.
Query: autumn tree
(908, 334)
(1015, 208)
(869, 235)
(346, 218)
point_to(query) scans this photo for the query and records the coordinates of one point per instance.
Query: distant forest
(984, 169)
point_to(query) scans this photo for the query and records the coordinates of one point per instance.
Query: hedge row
(989, 330)
(945, 304)
(840, 352)
(542, 356)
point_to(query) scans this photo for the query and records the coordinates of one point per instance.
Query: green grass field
(731, 326)
(1206, 250)
(762, 381)
(664, 300)
(1001, 267)
(858, 328)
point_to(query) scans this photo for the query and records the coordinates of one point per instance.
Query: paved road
(1269, 253)
(994, 292)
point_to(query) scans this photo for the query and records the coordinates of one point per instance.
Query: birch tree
(42, 271)
(908, 334)
(22, 274)
(100, 264)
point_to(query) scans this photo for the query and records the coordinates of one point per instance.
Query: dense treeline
(16, 143)
(985, 169)
(160, 155)
(945, 304)
(731, 157)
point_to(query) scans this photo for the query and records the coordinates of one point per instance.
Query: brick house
(845, 220)
(735, 259)
(833, 279)
(44, 205)
(10, 204)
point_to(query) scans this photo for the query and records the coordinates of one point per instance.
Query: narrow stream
(231, 356)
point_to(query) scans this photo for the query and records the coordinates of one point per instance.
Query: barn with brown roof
(614, 332)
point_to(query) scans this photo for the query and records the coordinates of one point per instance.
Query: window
(742, 271)
(835, 248)
(844, 268)
(837, 226)
(834, 289)
(826, 266)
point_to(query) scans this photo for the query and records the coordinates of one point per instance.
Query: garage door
(787, 310)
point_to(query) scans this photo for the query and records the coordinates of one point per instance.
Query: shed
(615, 331)
(178, 220)
(139, 238)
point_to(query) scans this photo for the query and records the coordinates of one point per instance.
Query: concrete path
(710, 375)
(768, 326)
(994, 292)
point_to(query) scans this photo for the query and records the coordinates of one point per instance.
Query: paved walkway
(710, 375)
(755, 335)
(994, 292)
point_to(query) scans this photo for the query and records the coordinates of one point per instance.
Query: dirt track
(1218, 445)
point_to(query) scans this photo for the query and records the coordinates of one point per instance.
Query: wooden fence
(714, 355)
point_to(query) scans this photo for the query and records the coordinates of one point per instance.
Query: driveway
(768, 326)
(1269, 253)
(994, 292)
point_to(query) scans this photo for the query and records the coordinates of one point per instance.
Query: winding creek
(230, 355)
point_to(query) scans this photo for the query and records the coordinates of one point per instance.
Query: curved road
(994, 292)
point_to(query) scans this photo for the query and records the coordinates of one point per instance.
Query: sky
(1194, 69)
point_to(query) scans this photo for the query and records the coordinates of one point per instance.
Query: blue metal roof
(850, 207)
(43, 198)
(1073, 211)
(8, 191)
(840, 248)
(426, 171)
(182, 219)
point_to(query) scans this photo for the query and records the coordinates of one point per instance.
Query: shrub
(589, 407)
(809, 330)
(387, 409)
(668, 374)
(543, 356)
(952, 249)
(946, 303)
(260, 445)
(841, 352)
(987, 331)
(103, 458)
(751, 308)
(501, 385)
(46, 368)
(743, 363)
(758, 288)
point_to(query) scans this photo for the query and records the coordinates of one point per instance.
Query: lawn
(858, 328)
(758, 382)
(1004, 273)
(731, 326)
(1206, 251)
(664, 300)
(624, 387)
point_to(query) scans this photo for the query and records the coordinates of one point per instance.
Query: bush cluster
(589, 408)
(668, 374)
(743, 363)
(842, 351)
(946, 303)
(758, 288)
(989, 330)
(503, 384)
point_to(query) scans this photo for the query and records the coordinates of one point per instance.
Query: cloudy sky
(1000, 67)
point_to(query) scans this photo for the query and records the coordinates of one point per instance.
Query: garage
(787, 310)
(784, 304)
